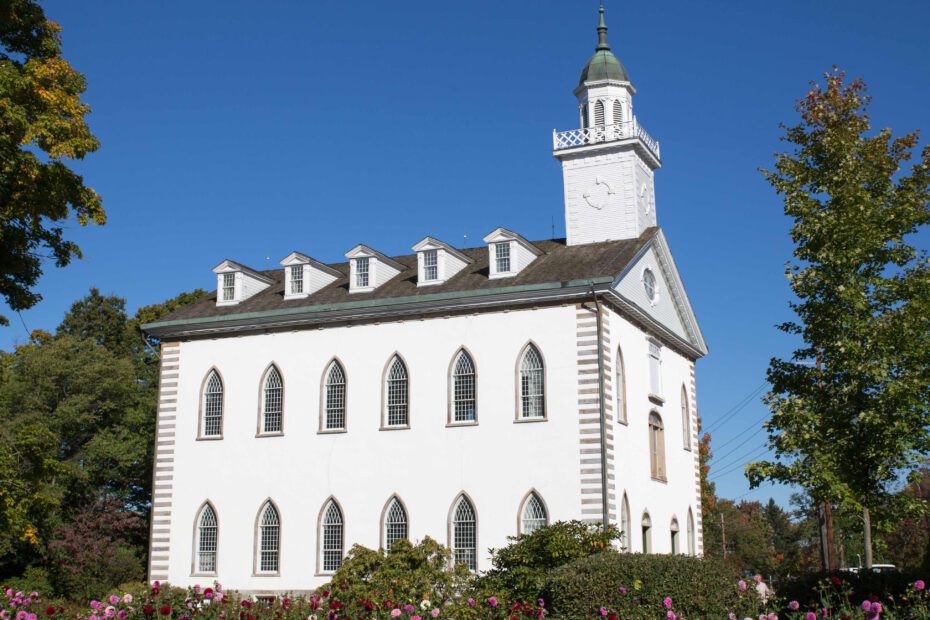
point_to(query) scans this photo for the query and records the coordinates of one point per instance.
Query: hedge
(638, 584)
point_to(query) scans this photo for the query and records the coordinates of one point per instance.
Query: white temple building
(466, 394)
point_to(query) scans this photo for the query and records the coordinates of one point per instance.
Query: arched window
(269, 539)
(463, 389)
(532, 384)
(626, 526)
(656, 446)
(331, 529)
(334, 398)
(584, 119)
(690, 525)
(685, 419)
(205, 545)
(396, 394)
(272, 401)
(395, 523)
(620, 387)
(618, 112)
(599, 113)
(212, 407)
(673, 528)
(533, 516)
(647, 533)
(465, 533)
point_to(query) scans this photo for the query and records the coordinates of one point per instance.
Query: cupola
(437, 261)
(235, 283)
(508, 253)
(304, 275)
(369, 269)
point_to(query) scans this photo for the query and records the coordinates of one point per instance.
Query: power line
(740, 462)
(739, 406)
(754, 425)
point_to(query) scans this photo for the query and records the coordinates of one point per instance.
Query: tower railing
(604, 133)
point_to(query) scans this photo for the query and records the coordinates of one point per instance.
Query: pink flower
(731, 616)
(794, 606)
(742, 585)
(866, 605)
(219, 587)
(876, 608)
(395, 612)
(415, 618)
(435, 612)
(492, 601)
(196, 588)
(408, 608)
(773, 616)
(127, 598)
(114, 600)
(121, 614)
(670, 615)
(758, 578)
(471, 602)
(156, 584)
(919, 585)
(667, 601)
(603, 611)
(109, 612)
(810, 616)
(218, 596)
(622, 590)
(96, 605)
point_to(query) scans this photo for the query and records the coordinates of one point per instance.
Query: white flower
(425, 604)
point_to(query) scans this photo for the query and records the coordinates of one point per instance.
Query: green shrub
(698, 587)
(520, 568)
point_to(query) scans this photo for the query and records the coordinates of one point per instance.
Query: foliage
(635, 585)
(520, 568)
(849, 410)
(43, 125)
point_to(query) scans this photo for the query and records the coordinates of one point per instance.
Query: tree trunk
(867, 527)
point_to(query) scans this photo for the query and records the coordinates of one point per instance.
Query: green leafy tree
(42, 126)
(850, 408)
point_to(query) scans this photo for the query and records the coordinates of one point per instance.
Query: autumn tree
(42, 127)
(850, 408)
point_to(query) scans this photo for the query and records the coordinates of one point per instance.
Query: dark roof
(558, 263)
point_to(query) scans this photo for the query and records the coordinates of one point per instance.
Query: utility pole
(723, 536)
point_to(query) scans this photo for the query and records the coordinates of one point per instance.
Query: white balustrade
(604, 133)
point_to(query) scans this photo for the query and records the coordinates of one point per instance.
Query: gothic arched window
(685, 419)
(673, 529)
(334, 398)
(599, 113)
(464, 528)
(395, 523)
(269, 539)
(533, 516)
(272, 401)
(205, 546)
(647, 533)
(656, 446)
(396, 395)
(620, 387)
(211, 424)
(464, 390)
(331, 535)
(690, 526)
(626, 526)
(617, 112)
(532, 384)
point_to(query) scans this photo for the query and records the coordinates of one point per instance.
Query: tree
(850, 408)
(42, 125)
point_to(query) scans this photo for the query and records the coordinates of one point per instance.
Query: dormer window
(502, 257)
(361, 272)
(431, 265)
(297, 279)
(438, 261)
(508, 253)
(236, 283)
(303, 276)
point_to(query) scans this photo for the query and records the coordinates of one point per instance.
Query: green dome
(603, 65)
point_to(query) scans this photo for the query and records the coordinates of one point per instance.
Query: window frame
(519, 417)
(363, 260)
(687, 439)
(626, 534)
(646, 527)
(620, 401)
(385, 512)
(202, 411)
(324, 398)
(257, 549)
(692, 545)
(195, 548)
(452, 375)
(657, 462)
(524, 504)
(427, 267)
(226, 288)
(260, 430)
(498, 257)
(674, 536)
(654, 358)
(321, 569)
(385, 405)
(299, 271)
(463, 497)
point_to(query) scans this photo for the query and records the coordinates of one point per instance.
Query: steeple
(603, 65)
(602, 31)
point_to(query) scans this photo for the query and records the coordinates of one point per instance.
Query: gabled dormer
(508, 253)
(369, 269)
(304, 275)
(236, 283)
(437, 261)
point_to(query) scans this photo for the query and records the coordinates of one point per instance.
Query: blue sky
(246, 130)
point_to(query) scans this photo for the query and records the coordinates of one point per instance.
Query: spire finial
(602, 30)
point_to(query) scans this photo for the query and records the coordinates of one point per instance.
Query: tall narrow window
(599, 113)
(655, 369)
(205, 562)
(618, 112)
(395, 523)
(212, 424)
(502, 257)
(647, 533)
(463, 389)
(584, 117)
(626, 526)
(690, 526)
(396, 394)
(331, 535)
(465, 534)
(534, 515)
(685, 419)
(272, 401)
(532, 384)
(334, 398)
(674, 536)
(656, 447)
(229, 286)
(431, 265)
(269, 540)
(361, 272)
(620, 388)
(297, 278)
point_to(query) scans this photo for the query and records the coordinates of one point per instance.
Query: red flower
(148, 610)
(247, 604)
(155, 591)
(612, 617)
(165, 610)
(49, 611)
(836, 581)
(325, 593)
(369, 606)
(873, 598)
(286, 603)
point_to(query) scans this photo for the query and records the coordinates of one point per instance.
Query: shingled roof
(559, 263)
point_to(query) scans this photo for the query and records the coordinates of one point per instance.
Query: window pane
(229, 286)
(213, 406)
(395, 524)
(335, 398)
(206, 545)
(297, 278)
(465, 535)
(431, 265)
(502, 256)
(269, 541)
(463, 389)
(397, 394)
(274, 395)
(621, 389)
(361, 272)
(532, 384)
(534, 514)
(332, 538)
